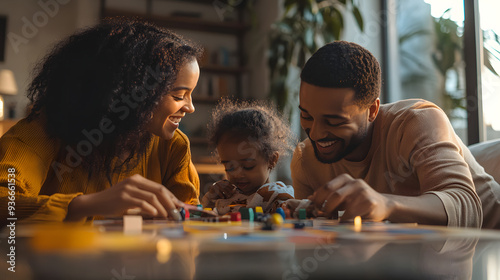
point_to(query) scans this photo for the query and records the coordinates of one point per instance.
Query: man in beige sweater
(400, 162)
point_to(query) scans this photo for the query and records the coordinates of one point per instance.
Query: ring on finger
(323, 205)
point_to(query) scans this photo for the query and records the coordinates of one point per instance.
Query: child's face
(245, 167)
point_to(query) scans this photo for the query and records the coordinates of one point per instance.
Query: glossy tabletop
(198, 250)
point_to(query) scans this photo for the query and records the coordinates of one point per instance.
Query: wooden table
(168, 250)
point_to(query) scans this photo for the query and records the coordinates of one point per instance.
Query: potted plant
(305, 26)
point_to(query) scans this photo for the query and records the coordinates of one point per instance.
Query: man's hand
(136, 192)
(354, 196)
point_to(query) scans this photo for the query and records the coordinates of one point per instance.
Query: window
(430, 35)
(490, 70)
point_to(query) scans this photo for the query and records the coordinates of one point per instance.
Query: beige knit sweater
(414, 151)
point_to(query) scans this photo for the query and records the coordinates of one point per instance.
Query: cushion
(488, 155)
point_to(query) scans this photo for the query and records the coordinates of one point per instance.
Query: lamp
(7, 87)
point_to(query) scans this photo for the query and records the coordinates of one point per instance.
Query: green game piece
(302, 214)
(246, 213)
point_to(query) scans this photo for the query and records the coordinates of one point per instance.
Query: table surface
(201, 250)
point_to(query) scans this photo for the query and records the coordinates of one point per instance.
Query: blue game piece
(182, 211)
(280, 211)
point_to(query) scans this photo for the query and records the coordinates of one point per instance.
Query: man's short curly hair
(342, 64)
(258, 121)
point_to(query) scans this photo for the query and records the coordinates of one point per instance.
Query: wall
(371, 37)
(33, 27)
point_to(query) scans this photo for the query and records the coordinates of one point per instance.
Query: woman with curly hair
(249, 138)
(102, 137)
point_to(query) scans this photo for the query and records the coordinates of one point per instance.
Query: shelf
(234, 28)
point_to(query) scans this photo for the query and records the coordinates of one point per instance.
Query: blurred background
(445, 51)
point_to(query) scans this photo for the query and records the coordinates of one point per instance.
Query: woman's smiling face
(176, 103)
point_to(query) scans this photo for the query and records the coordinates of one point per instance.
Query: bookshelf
(223, 68)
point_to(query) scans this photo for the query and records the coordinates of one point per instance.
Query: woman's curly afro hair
(111, 75)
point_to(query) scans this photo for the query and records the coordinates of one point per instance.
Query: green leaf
(305, 26)
(358, 17)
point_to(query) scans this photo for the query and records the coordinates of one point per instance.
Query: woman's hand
(136, 192)
(223, 189)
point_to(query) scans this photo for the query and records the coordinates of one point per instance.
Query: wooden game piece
(132, 224)
(277, 219)
(258, 214)
(184, 214)
(299, 225)
(272, 222)
(236, 217)
(302, 214)
(280, 211)
(246, 213)
(268, 224)
(196, 212)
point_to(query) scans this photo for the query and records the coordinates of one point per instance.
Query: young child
(249, 138)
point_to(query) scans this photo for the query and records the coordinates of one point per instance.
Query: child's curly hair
(259, 121)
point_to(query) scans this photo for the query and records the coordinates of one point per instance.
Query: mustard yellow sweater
(44, 187)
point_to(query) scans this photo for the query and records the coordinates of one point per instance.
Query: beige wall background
(33, 27)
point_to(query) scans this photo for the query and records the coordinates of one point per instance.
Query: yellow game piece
(277, 219)
(207, 209)
(258, 209)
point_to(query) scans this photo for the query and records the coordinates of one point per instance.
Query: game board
(316, 230)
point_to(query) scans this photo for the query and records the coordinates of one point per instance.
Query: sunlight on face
(176, 103)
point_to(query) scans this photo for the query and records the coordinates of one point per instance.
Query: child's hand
(224, 189)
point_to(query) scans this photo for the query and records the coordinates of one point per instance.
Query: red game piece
(236, 217)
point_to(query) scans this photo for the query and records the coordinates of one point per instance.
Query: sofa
(488, 155)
